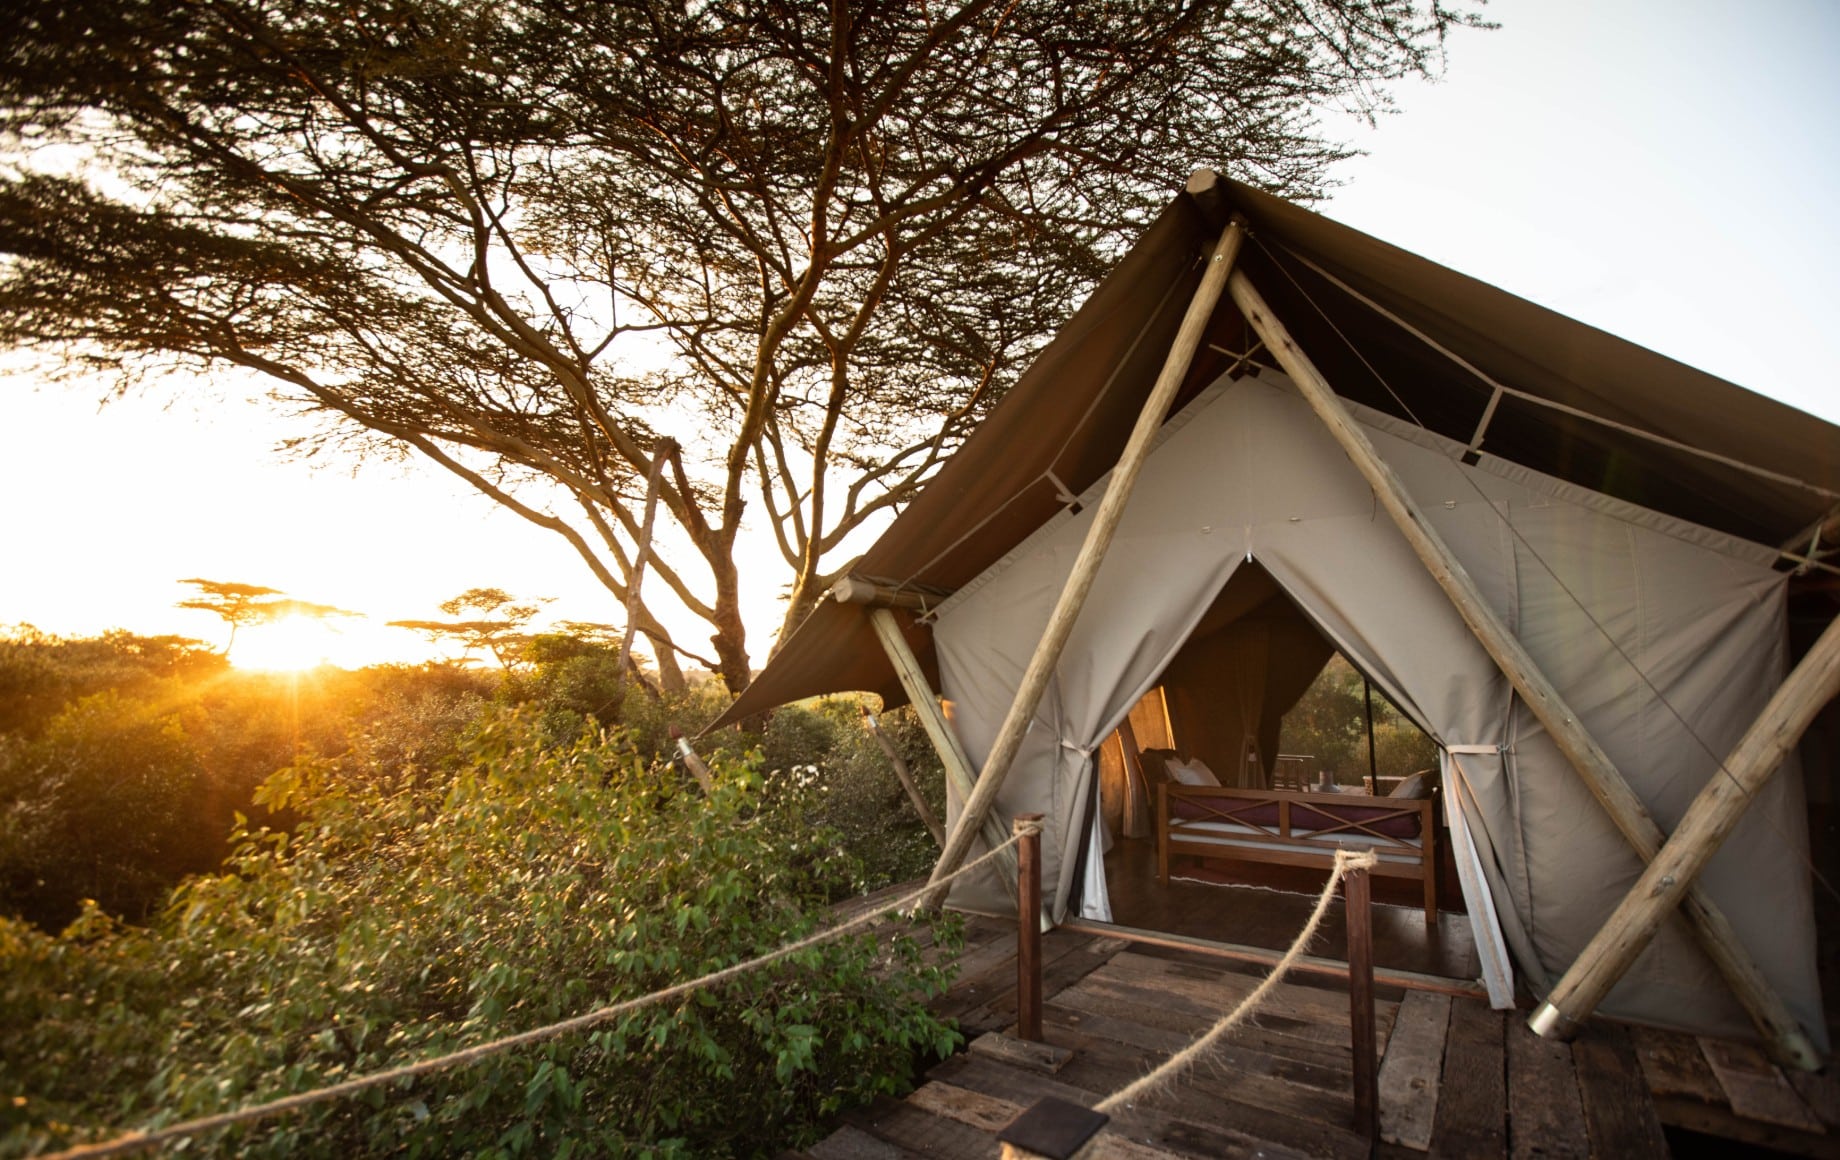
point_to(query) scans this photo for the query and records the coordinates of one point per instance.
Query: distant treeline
(125, 759)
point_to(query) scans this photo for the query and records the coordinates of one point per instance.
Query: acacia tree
(500, 626)
(528, 240)
(238, 604)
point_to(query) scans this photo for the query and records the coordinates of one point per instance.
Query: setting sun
(286, 644)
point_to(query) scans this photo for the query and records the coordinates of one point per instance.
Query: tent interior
(1261, 698)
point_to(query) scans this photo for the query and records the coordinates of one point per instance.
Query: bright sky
(1658, 168)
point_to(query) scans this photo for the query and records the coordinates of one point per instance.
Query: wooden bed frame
(1277, 842)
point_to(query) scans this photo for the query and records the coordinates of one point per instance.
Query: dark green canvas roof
(1354, 303)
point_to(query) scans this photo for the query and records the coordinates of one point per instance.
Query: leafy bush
(400, 921)
(41, 673)
(822, 753)
(97, 807)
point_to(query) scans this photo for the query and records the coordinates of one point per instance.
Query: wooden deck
(1456, 1078)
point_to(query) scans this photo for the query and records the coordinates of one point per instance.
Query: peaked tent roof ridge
(1060, 428)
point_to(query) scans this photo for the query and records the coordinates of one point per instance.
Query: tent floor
(1264, 906)
(1456, 1078)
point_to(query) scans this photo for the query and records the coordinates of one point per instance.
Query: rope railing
(1178, 1064)
(139, 1141)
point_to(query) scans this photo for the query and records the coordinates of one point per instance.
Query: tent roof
(1065, 422)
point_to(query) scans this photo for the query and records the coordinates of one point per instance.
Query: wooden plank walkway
(1457, 1079)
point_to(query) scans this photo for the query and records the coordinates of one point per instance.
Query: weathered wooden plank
(1329, 1074)
(1147, 1028)
(1109, 1145)
(1545, 1114)
(1307, 1037)
(1619, 1113)
(1191, 1017)
(1674, 1066)
(1023, 1053)
(1756, 1087)
(1262, 1106)
(1472, 1097)
(852, 1143)
(1410, 1069)
(1744, 1135)
(922, 1133)
(986, 1113)
(1212, 992)
(1821, 1090)
(982, 974)
(1066, 959)
(1308, 968)
(1152, 1128)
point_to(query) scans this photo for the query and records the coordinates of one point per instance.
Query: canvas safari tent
(1568, 559)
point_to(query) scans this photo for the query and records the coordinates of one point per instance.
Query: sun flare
(289, 644)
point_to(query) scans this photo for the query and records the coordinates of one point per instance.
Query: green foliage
(400, 921)
(41, 673)
(822, 754)
(1329, 722)
(126, 759)
(98, 808)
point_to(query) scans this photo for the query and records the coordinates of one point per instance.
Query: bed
(1291, 828)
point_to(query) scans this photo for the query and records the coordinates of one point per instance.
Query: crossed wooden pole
(1669, 881)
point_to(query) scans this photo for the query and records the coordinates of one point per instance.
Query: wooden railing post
(1357, 895)
(1028, 929)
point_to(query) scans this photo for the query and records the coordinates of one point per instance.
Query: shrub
(822, 753)
(99, 807)
(399, 922)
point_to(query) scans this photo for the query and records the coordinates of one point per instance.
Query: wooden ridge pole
(939, 731)
(1701, 832)
(1092, 553)
(1788, 1042)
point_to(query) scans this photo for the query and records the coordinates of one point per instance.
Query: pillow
(1193, 772)
(1415, 788)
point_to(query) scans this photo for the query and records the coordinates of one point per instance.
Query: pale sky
(1662, 169)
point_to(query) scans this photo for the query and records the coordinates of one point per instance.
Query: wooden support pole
(1788, 1042)
(1702, 830)
(665, 449)
(692, 762)
(1027, 828)
(939, 731)
(1092, 553)
(1357, 895)
(906, 775)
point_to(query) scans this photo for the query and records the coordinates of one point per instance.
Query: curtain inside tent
(1249, 660)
